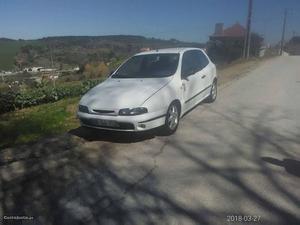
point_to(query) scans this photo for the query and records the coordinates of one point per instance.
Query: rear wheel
(172, 119)
(213, 92)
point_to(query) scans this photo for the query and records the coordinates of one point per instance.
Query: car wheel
(213, 92)
(172, 119)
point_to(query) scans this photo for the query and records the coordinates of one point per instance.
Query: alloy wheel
(172, 120)
(214, 91)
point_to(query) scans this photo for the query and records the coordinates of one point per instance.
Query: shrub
(96, 70)
(25, 98)
(7, 101)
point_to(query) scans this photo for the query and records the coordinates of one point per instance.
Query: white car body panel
(156, 94)
(122, 93)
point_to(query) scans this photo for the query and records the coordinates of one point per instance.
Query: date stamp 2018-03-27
(243, 218)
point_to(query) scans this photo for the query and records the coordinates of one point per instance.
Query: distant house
(234, 33)
(144, 49)
(226, 45)
(77, 68)
(293, 46)
(38, 69)
(46, 70)
(33, 69)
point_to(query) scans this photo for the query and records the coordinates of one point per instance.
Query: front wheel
(172, 119)
(213, 92)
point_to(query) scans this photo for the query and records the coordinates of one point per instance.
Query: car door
(192, 78)
(204, 68)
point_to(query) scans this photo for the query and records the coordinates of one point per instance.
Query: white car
(149, 90)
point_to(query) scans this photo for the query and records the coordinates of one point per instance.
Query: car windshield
(148, 66)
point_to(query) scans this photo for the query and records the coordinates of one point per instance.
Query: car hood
(122, 93)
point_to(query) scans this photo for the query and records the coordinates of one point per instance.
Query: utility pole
(246, 49)
(52, 77)
(51, 56)
(283, 32)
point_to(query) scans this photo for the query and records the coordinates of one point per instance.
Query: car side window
(189, 65)
(202, 59)
(192, 62)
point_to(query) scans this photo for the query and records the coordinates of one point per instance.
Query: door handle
(203, 76)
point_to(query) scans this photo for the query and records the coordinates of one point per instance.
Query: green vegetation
(11, 100)
(31, 124)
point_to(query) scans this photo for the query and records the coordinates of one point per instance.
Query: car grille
(115, 124)
(100, 111)
(104, 112)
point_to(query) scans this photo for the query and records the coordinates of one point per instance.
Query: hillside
(68, 51)
(8, 50)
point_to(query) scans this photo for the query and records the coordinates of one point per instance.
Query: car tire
(213, 92)
(172, 119)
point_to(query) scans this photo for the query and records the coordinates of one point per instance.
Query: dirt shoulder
(237, 69)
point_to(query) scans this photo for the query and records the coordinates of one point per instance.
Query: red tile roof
(236, 30)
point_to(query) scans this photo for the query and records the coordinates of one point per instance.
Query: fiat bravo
(151, 89)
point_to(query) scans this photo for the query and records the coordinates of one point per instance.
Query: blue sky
(188, 20)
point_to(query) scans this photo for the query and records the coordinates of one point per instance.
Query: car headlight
(132, 111)
(83, 108)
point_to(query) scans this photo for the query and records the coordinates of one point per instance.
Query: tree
(97, 69)
(102, 70)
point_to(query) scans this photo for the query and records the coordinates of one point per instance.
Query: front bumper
(142, 122)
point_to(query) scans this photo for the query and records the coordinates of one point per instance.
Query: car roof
(167, 50)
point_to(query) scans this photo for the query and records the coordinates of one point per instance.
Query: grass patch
(28, 125)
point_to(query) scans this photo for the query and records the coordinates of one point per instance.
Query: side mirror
(186, 74)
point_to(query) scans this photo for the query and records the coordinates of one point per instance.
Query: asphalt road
(235, 161)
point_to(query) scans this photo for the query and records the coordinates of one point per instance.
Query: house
(33, 69)
(234, 33)
(46, 70)
(38, 69)
(226, 45)
(230, 39)
(144, 49)
(77, 68)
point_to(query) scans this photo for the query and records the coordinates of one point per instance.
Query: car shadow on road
(90, 134)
